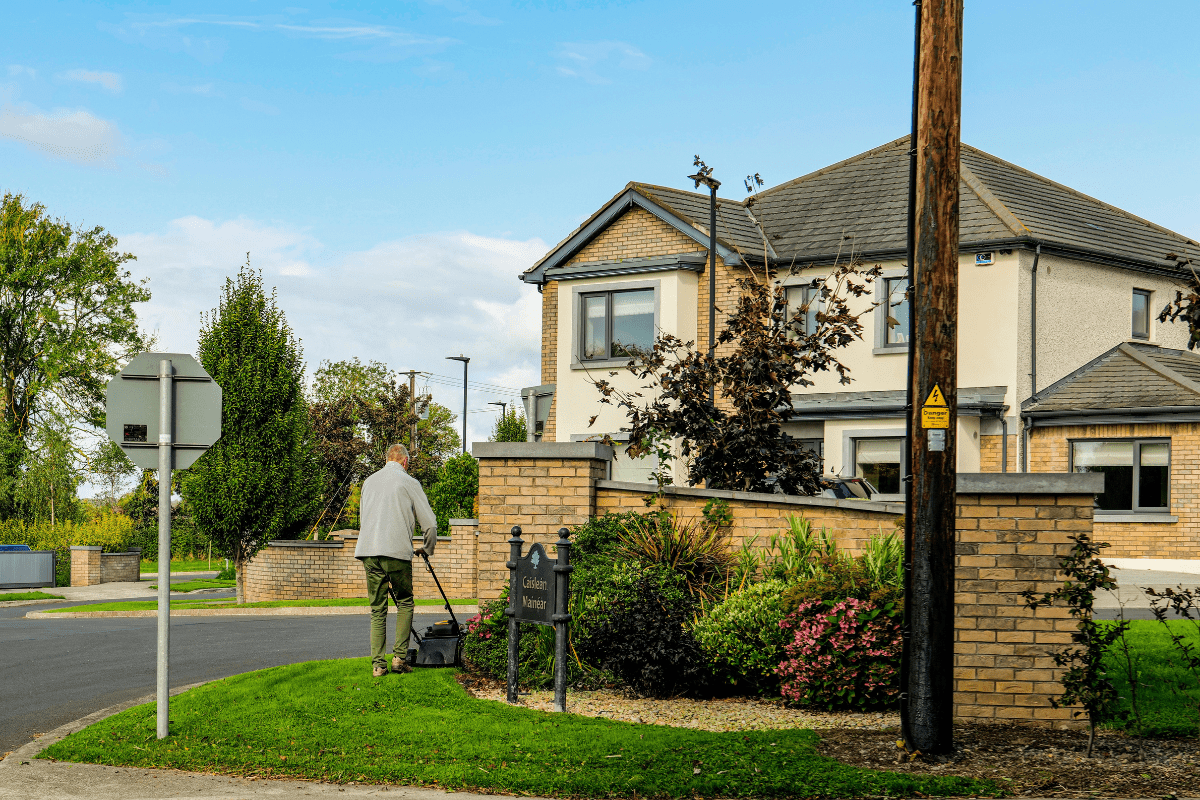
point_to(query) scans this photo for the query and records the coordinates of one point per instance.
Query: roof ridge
(1148, 361)
(839, 164)
(641, 188)
(990, 200)
(1078, 193)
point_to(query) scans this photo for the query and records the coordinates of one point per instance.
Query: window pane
(878, 461)
(797, 298)
(1141, 314)
(897, 309)
(1115, 461)
(594, 335)
(1154, 475)
(633, 321)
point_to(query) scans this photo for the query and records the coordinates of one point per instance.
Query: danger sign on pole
(164, 411)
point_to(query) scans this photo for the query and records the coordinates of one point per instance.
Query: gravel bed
(726, 714)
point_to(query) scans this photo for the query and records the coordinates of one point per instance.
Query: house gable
(636, 233)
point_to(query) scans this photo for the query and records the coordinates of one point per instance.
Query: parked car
(8, 548)
(847, 489)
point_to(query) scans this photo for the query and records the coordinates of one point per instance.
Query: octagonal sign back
(133, 410)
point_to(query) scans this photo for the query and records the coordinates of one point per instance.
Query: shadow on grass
(331, 721)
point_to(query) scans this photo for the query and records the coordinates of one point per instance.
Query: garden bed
(1036, 761)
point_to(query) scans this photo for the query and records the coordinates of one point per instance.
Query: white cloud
(109, 80)
(16, 70)
(585, 59)
(408, 302)
(72, 135)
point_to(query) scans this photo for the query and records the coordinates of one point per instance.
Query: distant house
(1051, 282)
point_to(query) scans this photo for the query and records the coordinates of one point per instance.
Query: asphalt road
(56, 671)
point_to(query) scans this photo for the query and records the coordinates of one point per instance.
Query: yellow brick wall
(121, 567)
(990, 453)
(85, 566)
(1004, 669)
(541, 495)
(550, 350)
(312, 571)
(1049, 451)
(754, 522)
(636, 234)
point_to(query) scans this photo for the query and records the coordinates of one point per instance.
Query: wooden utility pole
(933, 383)
(412, 404)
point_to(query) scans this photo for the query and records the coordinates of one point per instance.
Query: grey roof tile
(1147, 377)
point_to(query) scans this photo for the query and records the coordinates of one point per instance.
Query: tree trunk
(240, 567)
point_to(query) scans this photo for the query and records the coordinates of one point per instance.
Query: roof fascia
(1113, 416)
(617, 206)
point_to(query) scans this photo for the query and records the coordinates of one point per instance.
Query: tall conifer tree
(262, 479)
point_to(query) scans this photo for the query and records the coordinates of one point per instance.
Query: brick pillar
(541, 486)
(1012, 533)
(85, 565)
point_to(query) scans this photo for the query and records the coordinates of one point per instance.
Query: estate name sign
(535, 587)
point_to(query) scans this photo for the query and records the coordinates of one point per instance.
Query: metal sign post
(164, 411)
(538, 589)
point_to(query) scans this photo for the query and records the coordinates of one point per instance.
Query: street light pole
(503, 407)
(465, 360)
(704, 175)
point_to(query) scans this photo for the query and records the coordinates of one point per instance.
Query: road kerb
(297, 611)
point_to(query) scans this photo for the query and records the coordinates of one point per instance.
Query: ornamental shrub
(485, 648)
(835, 579)
(742, 639)
(642, 637)
(842, 656)
(453, 495)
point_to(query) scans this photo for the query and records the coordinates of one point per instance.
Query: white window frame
(850, 440)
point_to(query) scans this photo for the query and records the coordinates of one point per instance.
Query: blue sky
(392, 166)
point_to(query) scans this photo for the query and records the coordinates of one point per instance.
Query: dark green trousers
(382, 572)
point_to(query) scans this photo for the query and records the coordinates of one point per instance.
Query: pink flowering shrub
(842, 655)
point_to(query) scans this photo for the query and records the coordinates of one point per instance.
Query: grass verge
(1168, 693)
(30, 596)
(329, 720)
(187, 565)
(199, 583)
(143, 605)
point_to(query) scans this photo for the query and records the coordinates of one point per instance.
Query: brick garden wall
(757, 516)
(1012, 530)
(1050, 451)
(91, 566)
(307, 570)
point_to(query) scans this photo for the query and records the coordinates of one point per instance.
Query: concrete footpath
(25, 777)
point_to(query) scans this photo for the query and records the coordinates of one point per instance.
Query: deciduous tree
(737, 441)
(67, 322)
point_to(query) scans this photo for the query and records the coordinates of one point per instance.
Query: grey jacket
(392, 501)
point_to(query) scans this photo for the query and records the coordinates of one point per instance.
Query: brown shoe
(400, 665)
(379, 672)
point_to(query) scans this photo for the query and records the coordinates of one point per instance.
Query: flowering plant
(844, 654)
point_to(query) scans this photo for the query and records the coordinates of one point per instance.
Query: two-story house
(1062, 362)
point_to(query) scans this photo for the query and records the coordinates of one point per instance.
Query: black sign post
(537, 592)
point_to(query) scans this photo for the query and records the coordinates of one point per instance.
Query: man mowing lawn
(392, 502)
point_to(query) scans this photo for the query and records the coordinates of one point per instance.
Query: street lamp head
(463, 359)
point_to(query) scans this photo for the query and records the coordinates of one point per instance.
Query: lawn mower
(441, 644)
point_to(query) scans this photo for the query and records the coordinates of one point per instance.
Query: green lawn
(330, 720)
(199, 583)
(1168, 694)
(141, 605)
(30, 596)
(187, 565)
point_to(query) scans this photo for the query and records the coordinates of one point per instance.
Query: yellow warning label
(935, 397)
(935, 417)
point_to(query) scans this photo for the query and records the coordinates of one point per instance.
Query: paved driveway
(56, 671)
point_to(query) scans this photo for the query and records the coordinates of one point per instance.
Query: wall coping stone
(85, 547)
(128, 552)
(305, 543)
(463, 522)
(760, 497)
(581, 450)
(1030, 483)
